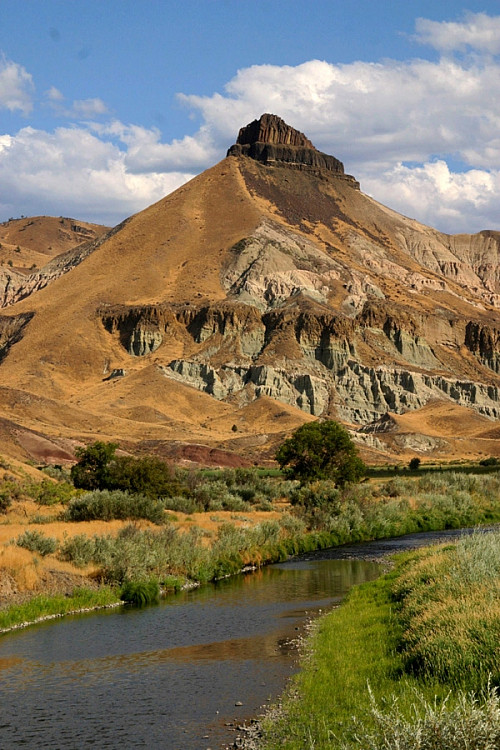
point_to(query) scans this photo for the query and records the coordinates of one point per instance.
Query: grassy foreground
(391, 668)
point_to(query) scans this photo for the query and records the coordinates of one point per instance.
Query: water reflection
(162, 675)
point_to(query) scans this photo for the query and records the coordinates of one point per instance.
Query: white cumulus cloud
(74, 173)
(478, 31)
(16, 87)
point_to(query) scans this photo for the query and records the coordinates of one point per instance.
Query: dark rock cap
(271, 141)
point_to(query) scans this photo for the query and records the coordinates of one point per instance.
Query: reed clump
(448, 607)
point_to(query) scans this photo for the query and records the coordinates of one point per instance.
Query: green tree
(92, 470)
(147, 475)
(321, 450)
(414, 464)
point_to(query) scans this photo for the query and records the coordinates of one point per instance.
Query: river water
(167, 676)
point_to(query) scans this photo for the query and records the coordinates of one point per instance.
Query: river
(172, 676)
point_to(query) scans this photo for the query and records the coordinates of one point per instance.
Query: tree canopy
(98, 468)
(92, 470)
(321, 450)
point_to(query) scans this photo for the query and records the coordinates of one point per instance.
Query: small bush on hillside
(491, 461)
(5, 501)
(78, 550)
(50, 493)
(61, 473)
(9, 491)
(106, 505)
(35, 541)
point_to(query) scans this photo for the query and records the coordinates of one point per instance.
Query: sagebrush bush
(182, 504)
(472, 724)
(9, 491)
(78, 549)
(317, 494)
(106, 505)
(50, 493)
(35, 541)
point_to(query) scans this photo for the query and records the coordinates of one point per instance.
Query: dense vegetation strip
(44, 607)
(319, 514)
(393, 667)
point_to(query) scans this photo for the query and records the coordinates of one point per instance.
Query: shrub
(106, 505)
(5, 500)
(91, 472)
(148, 476)
(491, 461)
(50, 493)
(79, 550)
(182, 504)
(140, 593)
(317, 495)
(471, 723)
(35, 541)
(98, 468)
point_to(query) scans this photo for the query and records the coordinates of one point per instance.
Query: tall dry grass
(22, 566)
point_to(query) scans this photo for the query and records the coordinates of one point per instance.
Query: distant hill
(267, 291)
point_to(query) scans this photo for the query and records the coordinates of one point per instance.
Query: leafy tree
(491, 461)
(92, 470)
(414, 464)
(147, 475)
(98, 468)
(321, 450)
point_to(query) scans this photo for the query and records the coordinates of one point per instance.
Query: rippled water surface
(167, 676)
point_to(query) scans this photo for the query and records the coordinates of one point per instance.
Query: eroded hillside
(269, 280)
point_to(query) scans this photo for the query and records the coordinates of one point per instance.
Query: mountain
(267, 291)
(27, 244)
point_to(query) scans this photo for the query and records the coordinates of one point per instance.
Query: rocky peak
(272, 129)
(271, 141)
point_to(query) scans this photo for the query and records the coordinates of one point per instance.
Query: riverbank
(399, 655)
(49, 555)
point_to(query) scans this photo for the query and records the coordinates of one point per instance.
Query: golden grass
(22, 565)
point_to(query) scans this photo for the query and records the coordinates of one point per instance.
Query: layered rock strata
(271, 141)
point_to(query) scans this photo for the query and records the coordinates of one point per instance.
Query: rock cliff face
(271, 141)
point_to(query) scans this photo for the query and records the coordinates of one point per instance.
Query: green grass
(354, 645)
(45, 606)
(448, 607)
(422, 638)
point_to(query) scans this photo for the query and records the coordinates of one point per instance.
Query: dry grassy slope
(40, 238)
(172, 251)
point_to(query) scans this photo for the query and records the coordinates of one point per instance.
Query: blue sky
(107, 105)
